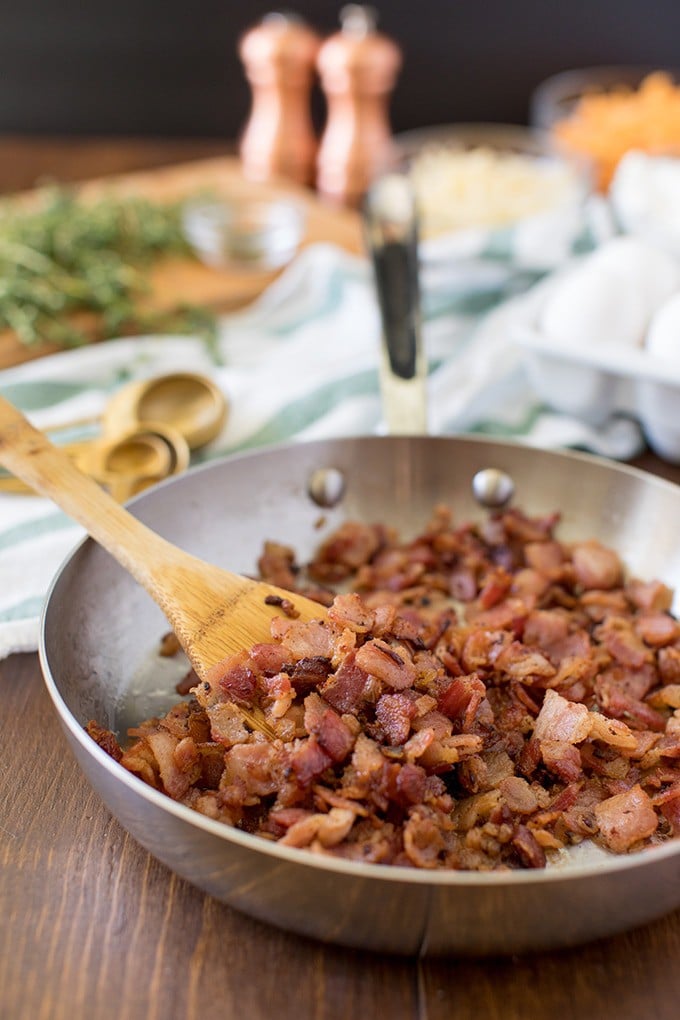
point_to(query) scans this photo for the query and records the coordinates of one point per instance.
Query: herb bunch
(68, 256)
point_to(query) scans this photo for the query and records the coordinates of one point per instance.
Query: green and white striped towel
(301, 363)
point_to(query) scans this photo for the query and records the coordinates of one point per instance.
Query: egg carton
(592, 383)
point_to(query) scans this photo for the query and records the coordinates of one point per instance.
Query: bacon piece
(347, 549)
(268, 658)
(496, 586)
(254, 767)
(518, 795)
(334, 736)
(391, 665)
(641, 716)
(277, 565)
(560, 719)
(545, 628)
(423, 841)
(657, 628)
(622, 643)
(612, 732)
(482, 647)
(279, 689)
(311, 639)
(626, 819)
(351, 611)
(234, 678)
(596, 566)
(522, 663)
(463, 584)
(227, 725)
(105, 738)
(345, 689)
(308, 673)
(545, 557)
(530, 852)
(393, 714)
(175, 781)
(562, 759)
(328, 828)
(411, 783)
(649, 594)
(669, 664)
(461, 698)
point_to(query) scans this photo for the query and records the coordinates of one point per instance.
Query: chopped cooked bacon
(277, 565)
(390, 664)
(562, 758)
(518, 795)
(344, 690)
(560, 719)
(612, 731)
(393, 713)
(105, 738)
(596, 566)
(330, 829)
(649, 594)
(541, 710)
(235, 678)
(626, 819)
(461, 698)
(176, 780)
(522, 663)
(351, 611)
(307, 640)
(545, 557)
(657, 628)
(350, 547)
(531, 853)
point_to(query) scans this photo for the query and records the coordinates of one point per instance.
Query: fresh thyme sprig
(67, 256)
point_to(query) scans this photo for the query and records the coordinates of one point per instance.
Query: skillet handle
(391, 229)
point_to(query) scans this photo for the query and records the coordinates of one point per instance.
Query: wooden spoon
(213, 612)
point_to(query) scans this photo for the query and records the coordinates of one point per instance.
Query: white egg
(663, 335)
(590, 306)
(612, 295)
(655, 273)
(645, 196)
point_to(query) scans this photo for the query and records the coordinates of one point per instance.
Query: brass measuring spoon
(191, 403)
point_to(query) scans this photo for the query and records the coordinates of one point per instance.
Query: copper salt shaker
(279, 55)
(358, 67)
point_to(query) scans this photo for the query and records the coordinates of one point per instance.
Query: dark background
(170, 68)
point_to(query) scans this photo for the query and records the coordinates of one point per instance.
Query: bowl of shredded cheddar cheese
(601, 113)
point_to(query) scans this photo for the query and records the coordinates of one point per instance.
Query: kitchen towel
(299, 364)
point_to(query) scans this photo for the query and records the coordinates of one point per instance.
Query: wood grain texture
(92, 925)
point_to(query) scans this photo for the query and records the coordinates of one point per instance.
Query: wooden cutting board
(175, 282)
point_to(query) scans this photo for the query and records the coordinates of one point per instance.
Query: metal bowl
(100, 632)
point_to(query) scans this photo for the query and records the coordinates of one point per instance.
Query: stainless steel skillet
(100, 631)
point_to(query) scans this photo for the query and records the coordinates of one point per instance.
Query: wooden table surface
(91, 925)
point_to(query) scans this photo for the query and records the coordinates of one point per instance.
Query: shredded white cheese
(482, 187)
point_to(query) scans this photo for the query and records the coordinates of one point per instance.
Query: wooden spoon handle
(31, 457)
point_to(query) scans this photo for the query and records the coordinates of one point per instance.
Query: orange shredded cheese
(604, 126)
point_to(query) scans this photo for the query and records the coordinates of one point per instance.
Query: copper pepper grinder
(279, 140)
(358, 67)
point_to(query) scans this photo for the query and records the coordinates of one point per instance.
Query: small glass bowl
(245, 234)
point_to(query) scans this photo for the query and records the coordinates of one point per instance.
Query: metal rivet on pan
(326, 486)
(493, 488)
